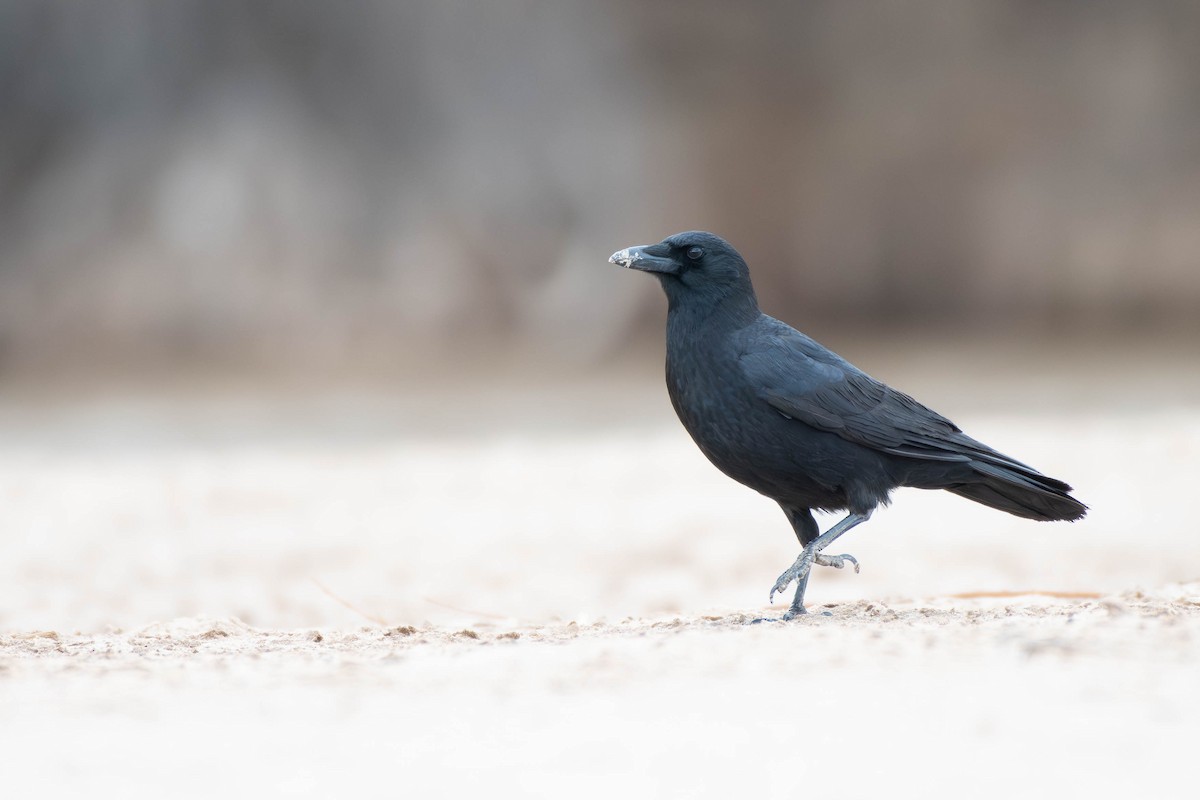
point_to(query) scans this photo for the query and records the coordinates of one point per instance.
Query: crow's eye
(695, 253)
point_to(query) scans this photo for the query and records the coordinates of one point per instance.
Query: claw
(780, 585)
(837, 562)
(777, 589)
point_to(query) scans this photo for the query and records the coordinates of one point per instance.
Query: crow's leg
(799, 571)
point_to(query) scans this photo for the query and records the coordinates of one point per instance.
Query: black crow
(776, 411)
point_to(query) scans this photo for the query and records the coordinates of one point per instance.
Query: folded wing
(806, 382)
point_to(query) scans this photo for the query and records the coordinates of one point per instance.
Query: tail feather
(1023, 492)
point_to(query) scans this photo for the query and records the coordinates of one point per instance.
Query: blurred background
(297, 289)
(188, 182)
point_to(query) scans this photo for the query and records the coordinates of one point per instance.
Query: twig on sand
(484, 614)
(1001, 594)
(349, 605)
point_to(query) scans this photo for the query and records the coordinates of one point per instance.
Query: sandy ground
(385, 594)
(1027, 696)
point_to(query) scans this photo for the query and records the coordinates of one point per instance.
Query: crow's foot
(793, 612)
(803, 565)
(798, 571)
(811, 554)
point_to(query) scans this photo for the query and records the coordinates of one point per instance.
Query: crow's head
(692, 266)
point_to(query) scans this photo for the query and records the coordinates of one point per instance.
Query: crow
(783, 415)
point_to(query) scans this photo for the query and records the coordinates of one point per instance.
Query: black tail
(1020, 490)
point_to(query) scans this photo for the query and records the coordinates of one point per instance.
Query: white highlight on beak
(624, 257)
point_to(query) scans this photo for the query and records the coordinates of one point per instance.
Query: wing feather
(806, 382)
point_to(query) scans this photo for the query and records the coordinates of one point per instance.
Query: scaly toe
(791, 574)
(838, 562)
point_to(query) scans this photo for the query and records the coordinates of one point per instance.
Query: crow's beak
(647, 258)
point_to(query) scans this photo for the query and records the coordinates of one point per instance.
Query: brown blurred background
(360, 183)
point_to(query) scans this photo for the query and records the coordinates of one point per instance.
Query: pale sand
(569, 613)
